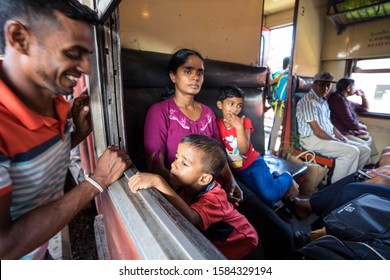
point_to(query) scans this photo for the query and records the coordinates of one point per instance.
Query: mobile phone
(361, 176)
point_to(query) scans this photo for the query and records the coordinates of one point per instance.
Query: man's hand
(380, 176)
(81, 118)
(110, 166)
(380, 170)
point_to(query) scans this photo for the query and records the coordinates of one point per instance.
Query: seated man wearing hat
(317, 133)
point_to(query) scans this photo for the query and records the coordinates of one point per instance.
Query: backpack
(366, 218)
(358, 230)
(280, 91)
(329, 247)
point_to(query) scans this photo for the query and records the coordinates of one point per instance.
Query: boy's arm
(243, 135)
(148, 180)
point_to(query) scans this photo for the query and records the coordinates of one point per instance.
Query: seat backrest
(145, 76)
(301, 86)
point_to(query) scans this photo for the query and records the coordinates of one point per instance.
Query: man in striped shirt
(317, 132)
(40, 67)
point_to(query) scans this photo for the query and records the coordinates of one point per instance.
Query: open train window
(373, 77)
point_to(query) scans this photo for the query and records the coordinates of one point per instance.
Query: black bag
(329, 247)
(358, 230)
(366, 218)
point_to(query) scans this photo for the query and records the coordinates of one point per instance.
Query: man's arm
(378, 178)
(319, 132)
(31, 230)
(339, 135)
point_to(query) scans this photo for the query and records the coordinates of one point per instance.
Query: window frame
(351, 68)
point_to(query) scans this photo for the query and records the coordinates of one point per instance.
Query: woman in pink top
(168, 121)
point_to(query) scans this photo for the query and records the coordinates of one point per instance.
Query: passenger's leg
(369, 142)
(365, 152)
(319, 201)
(347, 156)
(259, 179)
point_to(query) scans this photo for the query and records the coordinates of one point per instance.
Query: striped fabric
(34, 155)
(310, 108)
(40, 179)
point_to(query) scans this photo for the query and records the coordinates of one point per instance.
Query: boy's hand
(235, 121)
(293, 191)
(143, 181)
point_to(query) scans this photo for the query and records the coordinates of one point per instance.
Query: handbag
(315, 172)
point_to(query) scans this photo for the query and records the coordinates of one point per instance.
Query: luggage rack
(346, 13)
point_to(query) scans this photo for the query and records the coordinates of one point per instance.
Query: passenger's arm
(378, 178)
(273, 80)
(243, 135)
(226, 178)
(147, 180)
(385, 169)
(319, 132)
(384, 160)
(81, 117)
(33, 229)
(292, 192)
(229, 184)
(365, 104)
(339, 135)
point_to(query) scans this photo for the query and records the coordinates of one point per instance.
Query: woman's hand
(234, 192)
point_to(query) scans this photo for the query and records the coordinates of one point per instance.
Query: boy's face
(187, 170)
(230, 106)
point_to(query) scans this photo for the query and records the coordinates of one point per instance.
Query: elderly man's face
(322, 89)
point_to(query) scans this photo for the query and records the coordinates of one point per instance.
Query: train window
(373, 77)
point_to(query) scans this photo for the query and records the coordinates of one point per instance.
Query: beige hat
(324, 77)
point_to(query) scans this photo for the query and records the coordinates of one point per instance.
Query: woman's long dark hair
(177, 60)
